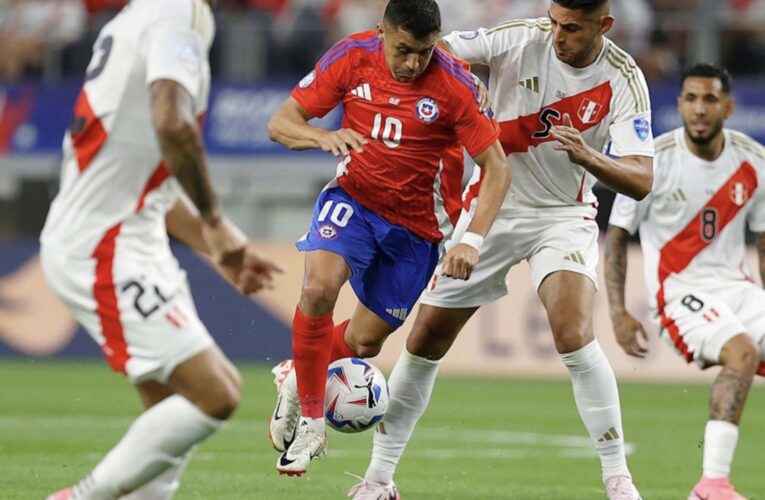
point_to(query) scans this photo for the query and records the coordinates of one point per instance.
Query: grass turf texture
(480, 439)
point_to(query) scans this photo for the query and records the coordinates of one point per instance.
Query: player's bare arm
(462, 259)
(183, 153)
(761, 254)
(627, 329)
(181, 144)
(629, 175)
(248, 270)
(289, 126)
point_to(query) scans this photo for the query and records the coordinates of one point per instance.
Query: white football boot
(284, 420)
(370, 490)
(308, 444)
(621, 488)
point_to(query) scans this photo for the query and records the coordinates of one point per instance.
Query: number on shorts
(693, 303)
(709, 224)
(148, 307)
(391, 135)
(341, 215)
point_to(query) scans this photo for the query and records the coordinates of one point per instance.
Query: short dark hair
(418, 17)
(586, 6)
(708, 70)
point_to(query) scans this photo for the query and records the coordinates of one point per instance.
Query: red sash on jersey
(88, 134)
(586, 109)
(678, 252)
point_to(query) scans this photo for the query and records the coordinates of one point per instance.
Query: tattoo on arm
(761, 254)
(181, 144)
(729, 393)
(183, 153)
(616, 267)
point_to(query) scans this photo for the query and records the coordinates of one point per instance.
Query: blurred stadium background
(49, 368)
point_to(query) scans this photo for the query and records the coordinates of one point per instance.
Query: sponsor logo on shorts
(398, 313)
(328, 232)
(426, 110)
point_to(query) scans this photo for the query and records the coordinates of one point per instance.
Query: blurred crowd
(260, 39)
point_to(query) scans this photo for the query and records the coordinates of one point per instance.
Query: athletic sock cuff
(413, 359)
(311, 326)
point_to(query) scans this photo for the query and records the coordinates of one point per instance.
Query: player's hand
(484, 101)
(630, 334)
(340, 142)
(256, 271)
(459, 262)
(571, 141)
(224, 242)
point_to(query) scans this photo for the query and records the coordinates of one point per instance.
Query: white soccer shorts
(549, 245)
(698, 323)
(142, 314)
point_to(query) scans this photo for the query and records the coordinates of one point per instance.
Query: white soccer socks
(411, 384)
(158, 439)
(164, 486)
(597, 399)
(720, 440)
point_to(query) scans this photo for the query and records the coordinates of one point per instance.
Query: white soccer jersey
(531, 90)
(692, 224)
(114, 189)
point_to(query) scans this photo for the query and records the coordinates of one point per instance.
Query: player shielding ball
(561, 92)
(132, 155)
(409, 107)
(708, 188)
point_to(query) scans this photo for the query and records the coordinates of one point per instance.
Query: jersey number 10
(391, 135)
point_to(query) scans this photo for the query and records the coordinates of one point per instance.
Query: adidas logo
(531, 84)
(610, 435)
(364, 91)
(398, 313)
(678, 195)
(575, 257)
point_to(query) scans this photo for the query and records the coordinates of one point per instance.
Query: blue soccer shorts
(390, 264)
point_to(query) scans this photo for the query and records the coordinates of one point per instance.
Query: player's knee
(317, 297)
(741, 353)
(425, 342)
(367, 349)
(227, 401)
(570, 337)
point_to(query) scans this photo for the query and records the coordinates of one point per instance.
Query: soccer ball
(356, 397)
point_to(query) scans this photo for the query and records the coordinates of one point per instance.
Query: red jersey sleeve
(323, 88)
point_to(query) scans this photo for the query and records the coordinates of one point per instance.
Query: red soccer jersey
(411, 170)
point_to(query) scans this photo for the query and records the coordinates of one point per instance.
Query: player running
(409, 106)
(692, 230)
(561, 90)
(132, 149)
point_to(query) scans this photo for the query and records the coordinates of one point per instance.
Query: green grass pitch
(480, 439)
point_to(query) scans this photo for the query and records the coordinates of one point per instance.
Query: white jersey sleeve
(631, 127)
(476, 47)
(755, 218)
(627, 213)
(177, 44)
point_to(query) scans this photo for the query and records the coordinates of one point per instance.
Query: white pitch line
(572, 445)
